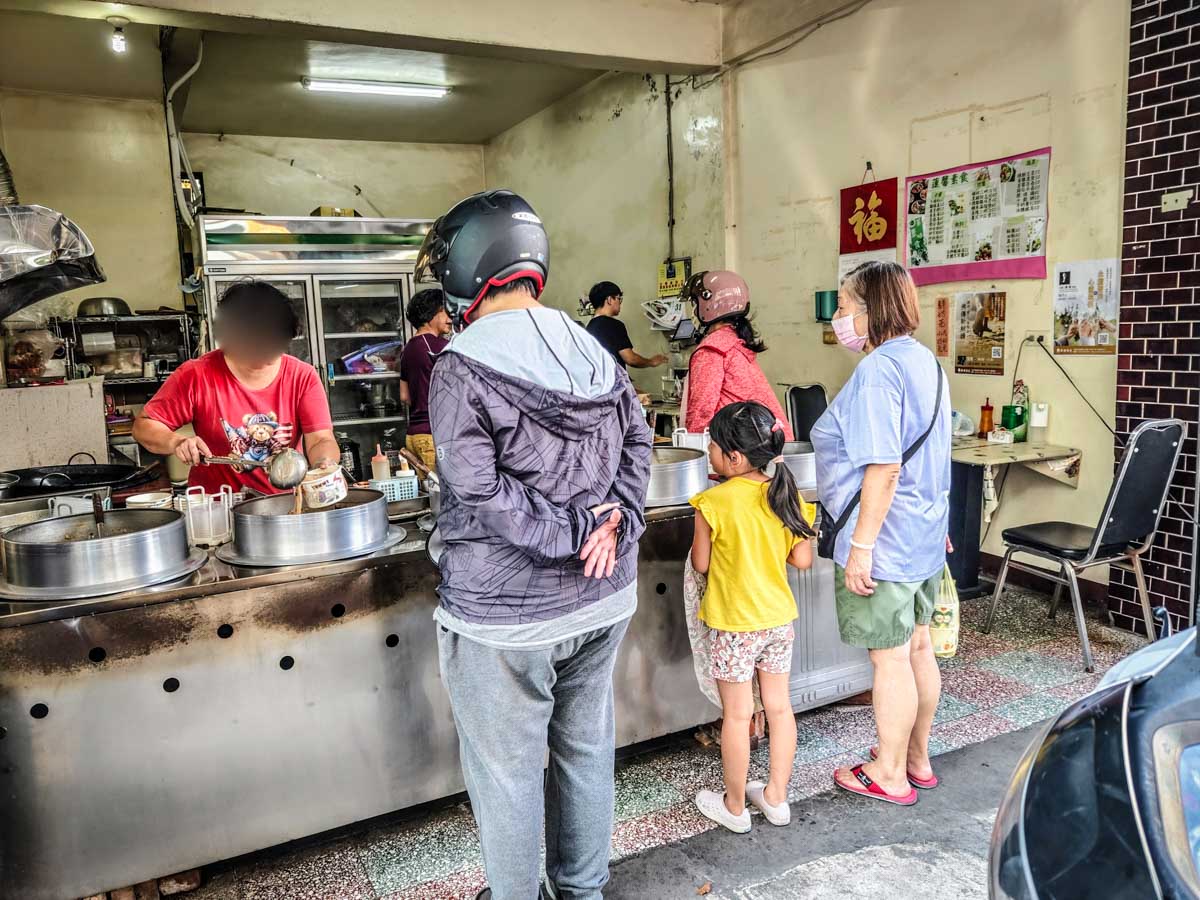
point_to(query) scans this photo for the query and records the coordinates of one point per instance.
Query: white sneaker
(712, 805)
(776, 815)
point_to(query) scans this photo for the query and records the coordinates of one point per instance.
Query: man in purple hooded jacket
(544, 457)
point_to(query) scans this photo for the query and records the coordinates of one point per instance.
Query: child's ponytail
(782, 494)
(751, 429)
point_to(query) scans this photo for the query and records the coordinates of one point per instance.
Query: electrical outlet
(1040, 336)
(1176, 200)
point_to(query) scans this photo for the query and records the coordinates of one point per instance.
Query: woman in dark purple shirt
(427, 315)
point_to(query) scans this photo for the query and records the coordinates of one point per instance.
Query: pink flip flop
(871, 789)
(925, 784)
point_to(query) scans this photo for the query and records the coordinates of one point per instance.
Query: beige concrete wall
(914, 87)
(594, 167)
(103, 163)
(293, 176)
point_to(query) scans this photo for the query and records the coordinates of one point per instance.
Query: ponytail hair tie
(778, 426)
(778, 460)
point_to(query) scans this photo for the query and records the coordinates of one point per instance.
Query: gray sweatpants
(509, 706)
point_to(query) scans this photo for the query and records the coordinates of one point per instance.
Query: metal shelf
(148, 317)
(374, 376)
(117, 381)
(361, 334)
(368, 420)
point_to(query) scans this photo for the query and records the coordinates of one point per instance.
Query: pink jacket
(723, 370)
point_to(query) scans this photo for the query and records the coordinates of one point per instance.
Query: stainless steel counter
(155, 731)
(152, 732)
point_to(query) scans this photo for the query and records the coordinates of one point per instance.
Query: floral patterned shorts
(736, 654)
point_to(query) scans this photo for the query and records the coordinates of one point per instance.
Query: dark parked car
(1105, 804)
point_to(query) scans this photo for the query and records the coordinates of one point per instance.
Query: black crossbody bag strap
(908, 454)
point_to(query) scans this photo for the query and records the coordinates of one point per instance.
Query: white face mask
(843, 329)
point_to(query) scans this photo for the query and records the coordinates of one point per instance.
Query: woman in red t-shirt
(248, 398)
(723, 369)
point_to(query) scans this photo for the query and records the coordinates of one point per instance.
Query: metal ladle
(285, 470)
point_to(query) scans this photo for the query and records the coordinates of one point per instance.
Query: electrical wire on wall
(1171, 497)
(179, 161)
(805, 33)
(697, 85)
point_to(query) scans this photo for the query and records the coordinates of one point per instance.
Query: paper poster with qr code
(1086, 306)
(978, 328)
(984, 220)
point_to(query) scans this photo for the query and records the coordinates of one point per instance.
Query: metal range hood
(42, 253)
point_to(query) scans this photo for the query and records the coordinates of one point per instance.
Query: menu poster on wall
(941, 332)
(979, 333)
(983, 220)
(1086, 306)
(867, 229)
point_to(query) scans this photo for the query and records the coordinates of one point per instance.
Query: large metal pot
(8, 482)
(266, 534)
(103, 306)
(70, 557)
(800, 458)
(676, 475)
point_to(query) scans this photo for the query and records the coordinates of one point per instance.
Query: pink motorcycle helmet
(718, 295)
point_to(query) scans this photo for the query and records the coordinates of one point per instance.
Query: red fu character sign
(868, 217)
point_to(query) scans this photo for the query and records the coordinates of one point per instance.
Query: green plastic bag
(943, 628)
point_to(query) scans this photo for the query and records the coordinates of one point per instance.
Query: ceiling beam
(629, 35)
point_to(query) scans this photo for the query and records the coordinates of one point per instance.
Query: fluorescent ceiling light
(389, 88)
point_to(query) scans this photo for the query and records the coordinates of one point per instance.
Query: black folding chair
(805, 404)
(1125, 531)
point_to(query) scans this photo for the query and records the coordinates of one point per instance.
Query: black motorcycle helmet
(488, 240)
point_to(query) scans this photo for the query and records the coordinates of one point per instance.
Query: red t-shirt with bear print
(234, 420)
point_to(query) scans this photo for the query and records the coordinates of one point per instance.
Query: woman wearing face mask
(724, 368)
(887, 434)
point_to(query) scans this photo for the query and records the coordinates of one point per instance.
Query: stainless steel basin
(71, 557)
(676, 475)
(800, 458)
(265, 534)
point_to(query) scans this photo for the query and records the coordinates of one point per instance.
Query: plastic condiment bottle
(985, 418)
(380, 470)
(408, 479)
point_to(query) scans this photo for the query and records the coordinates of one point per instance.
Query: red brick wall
(1159, 352)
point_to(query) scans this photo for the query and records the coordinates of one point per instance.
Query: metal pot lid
(228, 553)
(17, 593)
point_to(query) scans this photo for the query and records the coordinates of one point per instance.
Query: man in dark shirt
(612, 334)
(427, 315)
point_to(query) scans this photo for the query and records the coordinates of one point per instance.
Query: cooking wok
(55, 479)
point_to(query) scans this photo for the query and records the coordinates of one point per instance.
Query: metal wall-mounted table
(975, 460)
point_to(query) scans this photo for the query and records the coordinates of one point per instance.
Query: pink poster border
(1031, 267)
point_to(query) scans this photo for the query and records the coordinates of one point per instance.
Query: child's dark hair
(752, 430)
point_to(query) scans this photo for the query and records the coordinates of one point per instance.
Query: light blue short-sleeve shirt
(884, 408)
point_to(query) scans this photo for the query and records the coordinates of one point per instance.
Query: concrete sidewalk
(841, 847)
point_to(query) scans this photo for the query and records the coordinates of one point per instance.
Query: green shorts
(887, 618)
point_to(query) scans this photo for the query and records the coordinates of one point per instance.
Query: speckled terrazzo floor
(1027, 670)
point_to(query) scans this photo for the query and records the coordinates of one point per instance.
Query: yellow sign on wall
(672, 276)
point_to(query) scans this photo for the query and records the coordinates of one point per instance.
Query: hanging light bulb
(119, 44)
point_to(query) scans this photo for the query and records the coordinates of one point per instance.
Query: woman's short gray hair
(887, 292)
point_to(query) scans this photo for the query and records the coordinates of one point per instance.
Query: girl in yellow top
(749, 529)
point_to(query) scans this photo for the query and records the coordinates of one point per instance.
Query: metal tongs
(285, 470)
(98, 513)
